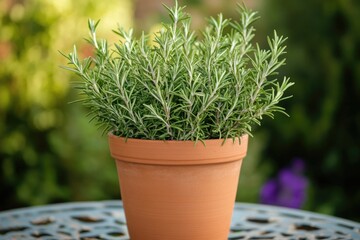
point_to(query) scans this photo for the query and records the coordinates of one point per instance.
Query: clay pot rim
(175, 152)
(212, 140)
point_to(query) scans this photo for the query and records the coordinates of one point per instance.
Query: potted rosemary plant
(178, 111)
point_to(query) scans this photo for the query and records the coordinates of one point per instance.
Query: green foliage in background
(324, 128)
(182, 87)
(48, 150)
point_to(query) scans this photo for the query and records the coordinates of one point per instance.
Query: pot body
(176, 190)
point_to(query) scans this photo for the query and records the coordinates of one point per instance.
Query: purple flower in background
(288, 189)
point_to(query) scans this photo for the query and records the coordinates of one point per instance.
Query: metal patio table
(106, 220)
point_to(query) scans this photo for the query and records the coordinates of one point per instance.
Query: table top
(106, 220)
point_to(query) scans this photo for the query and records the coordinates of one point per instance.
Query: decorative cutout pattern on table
(106, 220)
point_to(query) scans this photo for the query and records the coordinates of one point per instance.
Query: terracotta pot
(178, 190)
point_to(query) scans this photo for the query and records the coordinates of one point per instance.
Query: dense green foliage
(324, 128)
(180, 87)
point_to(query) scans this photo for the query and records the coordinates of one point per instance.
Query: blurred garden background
(49, 152)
